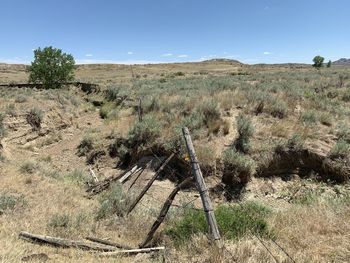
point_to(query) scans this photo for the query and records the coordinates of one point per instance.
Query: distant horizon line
(150, 62)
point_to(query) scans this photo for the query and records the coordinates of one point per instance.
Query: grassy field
(273, 142)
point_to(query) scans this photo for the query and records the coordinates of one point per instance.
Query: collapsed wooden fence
(110, 248)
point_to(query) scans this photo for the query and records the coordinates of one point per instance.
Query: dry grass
(315, 231)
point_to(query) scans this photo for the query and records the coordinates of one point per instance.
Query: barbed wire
(260, 240)
(173, 171)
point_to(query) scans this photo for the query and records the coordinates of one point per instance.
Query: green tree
(318, 62)
(51, 67)
(329, 64)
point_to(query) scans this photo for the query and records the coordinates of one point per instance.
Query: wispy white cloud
(267, 53)
(266, 8)
(88, 55)
(182, 56)
(130, 53)
(167, 55)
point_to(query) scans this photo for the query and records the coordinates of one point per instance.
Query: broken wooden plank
(108, 243)
(93, 175)
(126, 176)
(149, 184)
(104, 184)
(64, 243)
(132, 251)
(138, 176)
(164, 211)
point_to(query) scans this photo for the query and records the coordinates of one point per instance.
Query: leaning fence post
(202, 188)
(149, 184)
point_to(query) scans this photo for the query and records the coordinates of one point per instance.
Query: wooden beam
(126, 176)
(63, 243)
(93, 175)
(107, 242)
(202, 188)
(149, 184)
(132, 251)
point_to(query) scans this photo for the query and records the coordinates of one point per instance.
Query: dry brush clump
(245, 131)
(237, 168)
(34, 118)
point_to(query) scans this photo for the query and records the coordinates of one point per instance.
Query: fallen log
(107, 242)
(132, 251)
(64, 243)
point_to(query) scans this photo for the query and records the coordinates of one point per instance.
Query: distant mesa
(342, 62)
(222, 60)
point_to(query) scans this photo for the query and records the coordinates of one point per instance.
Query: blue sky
(142, 31)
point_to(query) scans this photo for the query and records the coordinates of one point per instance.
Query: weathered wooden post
(202, 188)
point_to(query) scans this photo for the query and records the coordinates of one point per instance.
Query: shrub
(326, 119)
(145, 132)
(279, 109)
(116, 94)
(151, 104)
(226, 127)
(346, 96)
(206, 155)
(344, 133)
(28, 167)
(20, 99)
(238, 168)
(234, 222)
(179, 74)
(116, 201)
(245, 131)
(210, 111)
(309, 117)
(76, 176)
(34, 118)
(295, 143)
(59, 221)
(10, 202)
(11, 110)
(341, 150)
(51, 67)
(193, 122)
(73, 221)
(108, 111)
(85, 146)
